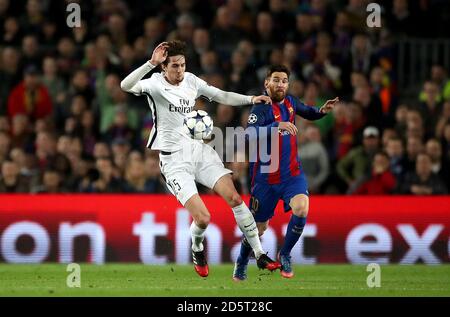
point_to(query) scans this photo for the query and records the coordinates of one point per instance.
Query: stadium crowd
(66, 126)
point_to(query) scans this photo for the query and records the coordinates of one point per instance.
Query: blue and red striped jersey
(263, 117)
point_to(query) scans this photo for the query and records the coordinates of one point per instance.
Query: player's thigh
(179, 180)
(208, 167)
(225, 188)
(263, 200)
(296, 196)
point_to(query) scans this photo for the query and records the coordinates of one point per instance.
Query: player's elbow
(124, 86)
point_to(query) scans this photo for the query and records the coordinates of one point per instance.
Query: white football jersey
(169, 105)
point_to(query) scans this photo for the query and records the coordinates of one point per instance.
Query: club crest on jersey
(252, 118)
(291, 110)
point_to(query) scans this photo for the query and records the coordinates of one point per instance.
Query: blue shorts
(264, 197)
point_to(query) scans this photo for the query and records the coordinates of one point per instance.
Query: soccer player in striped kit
(287, 181)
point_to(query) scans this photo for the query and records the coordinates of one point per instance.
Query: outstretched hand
(329, 105)
(159, 54)
(261, 99)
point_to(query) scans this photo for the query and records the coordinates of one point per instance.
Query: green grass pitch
(177, 280)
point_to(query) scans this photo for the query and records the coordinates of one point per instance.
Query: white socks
(197, 235)
(247, 224)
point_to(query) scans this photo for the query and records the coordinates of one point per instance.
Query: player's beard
(277, 95)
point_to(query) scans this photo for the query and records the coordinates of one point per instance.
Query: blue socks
(293, 233)
(244, 253)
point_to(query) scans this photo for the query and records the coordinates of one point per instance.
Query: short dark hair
(277, 68)
(174, 48)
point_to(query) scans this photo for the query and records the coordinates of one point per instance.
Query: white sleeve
(224, 97)
(132, 83)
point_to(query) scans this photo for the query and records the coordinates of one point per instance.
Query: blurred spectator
(395, 150)
(101, 149)
(111, 98)
(423, 181)
(19, 157)
(30, 97)
(431, 105)
(388, 133)
(400, 19)
(11, 32)
(117, 29)
(381, 180)
(154, 182)
(51, 183)
(304, 35)
(240, 17)
(51, 79)
(184, 31)
(443, 119)
(153, 33)
(361, 53)
(372, 108)
(312, 96)
(314, 159)
(135, 177)
(106, 182)
(224, 33)
(89, 131)
(10, 75)
(440, 165)
(45, 149)
(241, 78)
(358, 161)
(401, 114)
(66, 57)
(265, 33)
(381, 87)
(21, 133)
(31, 54)
(120, 128)
(439, 75)
(120, 149)
(11, 181)
(414, 146)
(282, 16)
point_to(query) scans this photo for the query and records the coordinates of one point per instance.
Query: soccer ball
(198, 124)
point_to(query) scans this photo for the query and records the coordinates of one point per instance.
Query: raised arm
(313, 113)
(131, 82)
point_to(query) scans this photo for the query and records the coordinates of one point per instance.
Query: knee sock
(247, 224)
(197, 235)
(293, 233)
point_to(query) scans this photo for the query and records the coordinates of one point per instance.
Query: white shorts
(183, 168)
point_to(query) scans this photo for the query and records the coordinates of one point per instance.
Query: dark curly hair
(174, 48)
(277, 69)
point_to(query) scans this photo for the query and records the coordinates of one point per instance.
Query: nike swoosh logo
(276, 117)
(167, 89)
(248, 225)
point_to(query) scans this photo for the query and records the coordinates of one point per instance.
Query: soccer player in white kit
(171, 95)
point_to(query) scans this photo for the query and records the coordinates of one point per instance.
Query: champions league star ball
(198, 124)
